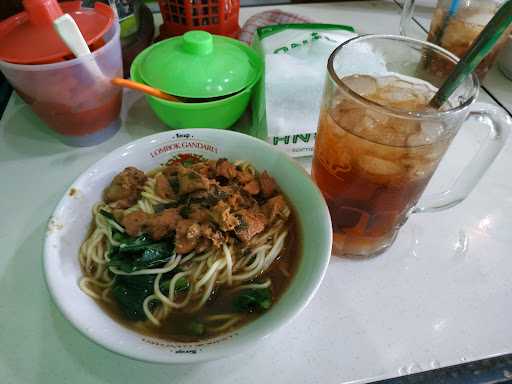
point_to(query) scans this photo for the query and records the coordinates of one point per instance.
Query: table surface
(438, 297)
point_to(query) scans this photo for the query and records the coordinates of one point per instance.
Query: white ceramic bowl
(70, 221)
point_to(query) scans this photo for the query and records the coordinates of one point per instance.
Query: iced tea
(459, 31)
(371, 166)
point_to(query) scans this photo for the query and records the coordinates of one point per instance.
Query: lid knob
(42, 12)
(198, 42)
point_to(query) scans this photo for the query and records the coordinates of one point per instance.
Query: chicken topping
(211, 202)
(125, 189)
(163, 187)
(251, 223)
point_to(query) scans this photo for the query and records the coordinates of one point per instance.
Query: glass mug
(455, 25)
(378, 144)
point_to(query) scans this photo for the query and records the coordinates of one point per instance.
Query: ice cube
(430, 132)
(377, 166)
(349, 116)
(368, 124)
(362, 84)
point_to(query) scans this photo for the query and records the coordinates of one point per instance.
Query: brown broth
(174, 327)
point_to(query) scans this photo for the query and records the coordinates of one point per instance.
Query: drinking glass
(378, 143)
(455, 25)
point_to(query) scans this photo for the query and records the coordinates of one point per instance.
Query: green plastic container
(227, 66)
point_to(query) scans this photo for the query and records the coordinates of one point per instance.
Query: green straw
(476, 53)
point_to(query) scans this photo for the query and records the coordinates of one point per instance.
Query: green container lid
(199, 65)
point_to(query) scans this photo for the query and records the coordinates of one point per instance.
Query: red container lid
(29, 37)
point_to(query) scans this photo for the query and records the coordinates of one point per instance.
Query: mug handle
(499, 128)
(406, 16)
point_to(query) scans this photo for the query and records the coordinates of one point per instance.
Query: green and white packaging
(287, 100)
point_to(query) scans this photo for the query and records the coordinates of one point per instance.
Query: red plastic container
(219, 17)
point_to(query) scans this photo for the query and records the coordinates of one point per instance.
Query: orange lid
(29, 37)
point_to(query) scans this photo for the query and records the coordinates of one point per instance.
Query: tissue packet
(286, 103)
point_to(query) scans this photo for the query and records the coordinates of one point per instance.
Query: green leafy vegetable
(107, 214)
(192, 175)
(132, 244)
(130, 292)
(175, 184)
(253, 300)
(219, 194)
(164, 286)
(242, 224)
(196, 328)
(112, 220)
(214, 196)
(120, 237)
(188, 163)
(160, 207)
(185, 200)
(182, 284)
(185, 211)
(152, 256)
(121, 261)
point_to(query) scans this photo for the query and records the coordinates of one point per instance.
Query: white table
(440, 296)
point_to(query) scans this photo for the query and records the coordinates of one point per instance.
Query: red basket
(219, 17)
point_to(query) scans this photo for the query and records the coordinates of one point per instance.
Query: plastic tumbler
(83, 107)
(455, 26)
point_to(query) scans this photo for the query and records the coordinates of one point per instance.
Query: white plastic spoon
(68, 30)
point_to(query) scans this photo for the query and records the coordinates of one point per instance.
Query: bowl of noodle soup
(187, 246)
